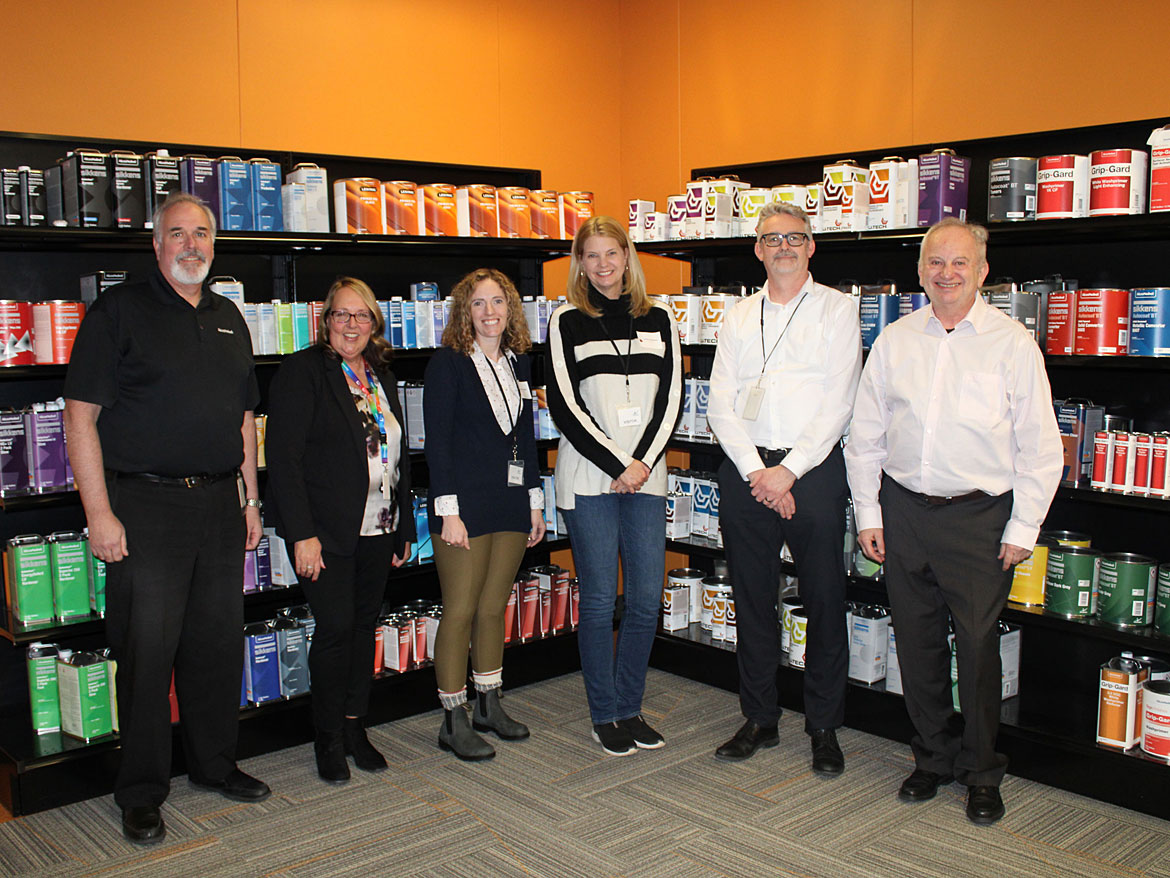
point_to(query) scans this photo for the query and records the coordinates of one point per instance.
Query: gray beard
(190, 276)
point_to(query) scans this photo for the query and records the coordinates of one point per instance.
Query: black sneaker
(614, 739)
(645, 738)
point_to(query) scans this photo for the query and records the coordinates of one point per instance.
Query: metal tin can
(1028, 578)
(16, 328)
(1068, 538)
(1149, 322)
(1061, 330)
(712, 586)
(1070, 588)
(55, 327)
(798, 642)
(1125, 590)
(1162, 600)
(1117, 181)
(787, 605)
(1102, 325)
(1062, 186)
(692, 580)
(1011, 189)
(1156, 719)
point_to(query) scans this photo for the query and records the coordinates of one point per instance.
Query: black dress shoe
(237, 786)
(922, 785)
(984, 805)
(747, 741)
(827, 758)
(143, 824)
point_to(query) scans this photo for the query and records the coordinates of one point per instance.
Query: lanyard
(371, 397)
(512, 421)
(629, 350)
(776, 344)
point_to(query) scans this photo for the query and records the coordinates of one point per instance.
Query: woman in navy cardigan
(485, 502)
(339, 494)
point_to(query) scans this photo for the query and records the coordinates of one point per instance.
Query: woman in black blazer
(339, 494)
(484, 495)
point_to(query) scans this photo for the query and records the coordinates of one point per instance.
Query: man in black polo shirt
(158, 416)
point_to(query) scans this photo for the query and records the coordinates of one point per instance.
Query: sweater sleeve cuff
(448, 504)
(536, 498)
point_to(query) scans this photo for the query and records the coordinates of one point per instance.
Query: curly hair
(460, 332)
(378, 351)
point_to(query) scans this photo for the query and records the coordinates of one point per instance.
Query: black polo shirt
(173, 381)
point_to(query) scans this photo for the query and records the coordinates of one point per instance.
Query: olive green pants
(475, 584)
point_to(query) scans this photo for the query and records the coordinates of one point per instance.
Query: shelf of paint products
(268, 243)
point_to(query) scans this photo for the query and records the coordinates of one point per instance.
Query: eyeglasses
(773, 239)
(361, 318)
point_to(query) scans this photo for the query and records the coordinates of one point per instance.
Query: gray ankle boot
(490, 717)
(457, 736)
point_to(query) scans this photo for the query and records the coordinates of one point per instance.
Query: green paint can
(97, 581)
(70, 566)
(1162, 600)
(30, 579)
(1125, 590)
(1071, 582)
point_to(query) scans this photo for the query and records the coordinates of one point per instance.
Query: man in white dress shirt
(954, 457)
(782, 388)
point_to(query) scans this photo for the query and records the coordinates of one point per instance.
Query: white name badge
(629, 415)
(751, 406)
(515, 473)
(525, 390)
(650, 339)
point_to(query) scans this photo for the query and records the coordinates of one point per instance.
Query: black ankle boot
(331, 764)
(457, 736)
(490, 717)
(357, 745)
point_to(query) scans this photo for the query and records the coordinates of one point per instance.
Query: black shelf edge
(1108, 498)
(22, 502)
(1124, 363)
(692, 447)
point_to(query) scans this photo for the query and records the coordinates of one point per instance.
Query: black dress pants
(176, 601)
(752, 537)
(941, 561)
(345, 600)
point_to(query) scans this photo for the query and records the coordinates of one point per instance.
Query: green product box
(284, 328)
(83, 680)
(97, 582)
(42, 688)
(30, 579)
(67, 556)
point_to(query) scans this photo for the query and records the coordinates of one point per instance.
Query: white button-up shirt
(809, 382)
(946, 414)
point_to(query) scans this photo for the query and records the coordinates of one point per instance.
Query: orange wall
(623, 97)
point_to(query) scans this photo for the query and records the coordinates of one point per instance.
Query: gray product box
(54, 205)
(86, 196)
(33, 211)
(293, 644)
(199, 175)
(128, 190)
(161, 177)
(93, 285)
(9, 197)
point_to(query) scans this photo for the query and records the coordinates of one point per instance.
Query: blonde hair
(378, 350)
(634, 283)
(460, 332)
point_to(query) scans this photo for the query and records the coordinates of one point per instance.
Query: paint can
(877, 311)
(1102, 323)
(675, 607)
(798, 643)
(576, 207)
(1070, 582)
(1119, 710)
(713, 586)
(1011, 189)
(16, 333)
(1121, 470)
(1159, 668)
(1149, 322)
(711, 315)
(1159, 484)
(1125, 590)
(401, 200)
(1068, 538)
(786, 607)
(55, 327)
(1028, 578)
(1117, 181)
(1156, 719)
(515, 212)
(1142, 447)
(1162, 600)
(1061, 331)
(719, 616)
(1062, 186)
(1102, 460)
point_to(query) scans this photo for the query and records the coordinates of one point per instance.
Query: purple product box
(249, 571)
(199, 177)
(45, 448)
(14, 478)
(942, 187)
(263, 565)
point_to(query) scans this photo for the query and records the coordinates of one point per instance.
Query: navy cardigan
(468, 453)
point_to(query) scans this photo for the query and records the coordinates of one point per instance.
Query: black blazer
(468, 454)
(318, 475)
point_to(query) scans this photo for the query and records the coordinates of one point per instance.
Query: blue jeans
(599, 528)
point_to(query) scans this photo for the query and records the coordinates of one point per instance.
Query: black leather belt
(772, 456)
(947, 501)
(199, 480)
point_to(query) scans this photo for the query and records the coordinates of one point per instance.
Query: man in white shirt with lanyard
(953, 458)
(782, 388)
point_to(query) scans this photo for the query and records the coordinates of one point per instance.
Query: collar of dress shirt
(975, 318)
(806, 287)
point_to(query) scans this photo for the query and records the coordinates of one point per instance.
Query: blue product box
(235, 195)
(267, 206)
(261, 663)
(409, 335)
(424, 291)
(394, 323)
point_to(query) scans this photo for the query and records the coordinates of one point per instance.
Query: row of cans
(692, 424)
(71, 691)
(405, 637)
(34, 458)
(1126, 462)
(1108, 322)
(545, 601)
(691, 597)
(1133, 706)
(38, 333)
(53, 578)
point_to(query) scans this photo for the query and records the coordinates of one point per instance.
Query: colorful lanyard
(371, 397)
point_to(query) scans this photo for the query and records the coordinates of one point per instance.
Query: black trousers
(345, 599)
(176, 600)
(940, 561)
(752, 537)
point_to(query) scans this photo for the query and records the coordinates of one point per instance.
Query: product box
(438, 210)
(161, 177)
(893, 669)
(93, 285)
(889, 194)
(97, 581)
(413, 408)
(29, 577)
(229, 288)
(128, 187)
(476, 214)
(676, 614)
(83, 685)
(293, 647)
(316, 182)
(515, 212)
(748, 207)
(235, 195)
(403, 216)
(358, 206)
(44, 428)
(575, 208)
(639, 210)
(265, 340)
(546, 213)
(812, 205)
(14, 476)
(69, 564)
(844, 197)
(261, 663)
(1119, 709)
(85, 192)
(696, 200)
(942, 186)
(292, 202)
(678, 516)
(267, 209)
(199, 175)
(718, 210)
(1077, 421)
(10, 197)
(43, 698)
(868, 642)
(687, 314)
(33, 209)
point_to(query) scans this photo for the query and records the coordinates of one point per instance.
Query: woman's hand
(307, 558)
(399, 560)
(632, 478)
(455, 532)
(538, 528)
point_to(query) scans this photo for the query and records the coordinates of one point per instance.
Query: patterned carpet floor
(555, 805)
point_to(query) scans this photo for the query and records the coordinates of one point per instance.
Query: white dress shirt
(946, 414)
(809, 382)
